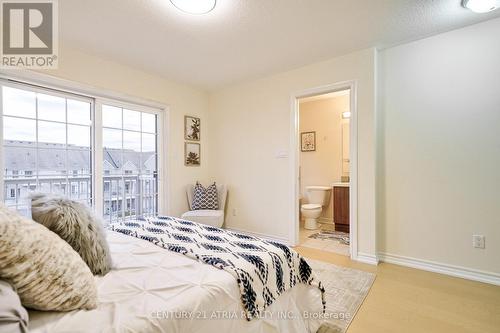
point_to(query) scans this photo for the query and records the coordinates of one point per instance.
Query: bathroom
(324, 125)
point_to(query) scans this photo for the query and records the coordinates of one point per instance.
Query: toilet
(317, 197)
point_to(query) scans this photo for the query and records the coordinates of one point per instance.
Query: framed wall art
(192, 154)
(308, 141)
(192, 128)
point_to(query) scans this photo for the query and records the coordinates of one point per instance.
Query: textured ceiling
(245, 39)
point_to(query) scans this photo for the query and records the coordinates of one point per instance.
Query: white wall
(324, 165)
(77, 66)
(250, 124)
(439, 153)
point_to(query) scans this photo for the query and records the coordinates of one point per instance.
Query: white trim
(163, 135)
(129, 106)
(98, 160)
(282, 240)
(293, 238)
(436, 267)
(367, 258)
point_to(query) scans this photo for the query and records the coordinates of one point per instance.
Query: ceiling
(247, 39)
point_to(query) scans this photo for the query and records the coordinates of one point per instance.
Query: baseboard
(436, 267)
(263, 236)
(325, 220)
(366, 258)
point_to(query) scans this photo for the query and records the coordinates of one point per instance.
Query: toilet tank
(319, 195)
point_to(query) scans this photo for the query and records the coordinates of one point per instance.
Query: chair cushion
(205, 198)
(76, 223)
(13, 316)
(214, 218)
(46, 272)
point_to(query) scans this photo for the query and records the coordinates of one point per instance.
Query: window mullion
(123, 192)
(98, 152)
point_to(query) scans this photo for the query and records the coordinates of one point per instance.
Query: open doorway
(325, 177)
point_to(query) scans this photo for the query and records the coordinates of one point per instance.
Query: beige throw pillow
(46, 272)
(77, 224)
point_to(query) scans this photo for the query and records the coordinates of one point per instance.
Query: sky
(67, 121)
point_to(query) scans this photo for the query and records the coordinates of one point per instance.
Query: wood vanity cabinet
(341, 208)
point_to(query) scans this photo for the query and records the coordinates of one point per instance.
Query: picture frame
(192, 128)
(192, 154)
(308, 141)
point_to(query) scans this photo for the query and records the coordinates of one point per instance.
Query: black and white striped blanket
(263, 269)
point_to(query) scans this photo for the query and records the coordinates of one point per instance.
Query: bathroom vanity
(341, 206)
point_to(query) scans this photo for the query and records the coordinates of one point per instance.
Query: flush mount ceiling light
(480, 6)
(196, 7)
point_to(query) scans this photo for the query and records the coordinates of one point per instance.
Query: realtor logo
(29, 33)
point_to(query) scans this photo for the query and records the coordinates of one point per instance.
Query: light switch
(282, 154)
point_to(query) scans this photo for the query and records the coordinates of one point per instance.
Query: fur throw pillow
(77, 224)
(46, 272)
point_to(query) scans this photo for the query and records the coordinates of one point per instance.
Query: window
(49, 139)
(45, 134)
(130, 163)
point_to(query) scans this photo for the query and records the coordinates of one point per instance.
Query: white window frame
(159, 146)
(100, 97)
(52, 92)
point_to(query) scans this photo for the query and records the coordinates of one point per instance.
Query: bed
(151, 289)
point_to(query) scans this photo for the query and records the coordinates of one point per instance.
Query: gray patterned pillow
(46, 272)
(77, 224)
(205, 198)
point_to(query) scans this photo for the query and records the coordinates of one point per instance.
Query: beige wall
(323, 166)
(183, 100)
(439, 152)
(250, 125)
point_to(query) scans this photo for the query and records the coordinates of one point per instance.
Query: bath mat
(335, 235)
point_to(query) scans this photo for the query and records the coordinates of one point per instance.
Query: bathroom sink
(319, 188)
(339, 184)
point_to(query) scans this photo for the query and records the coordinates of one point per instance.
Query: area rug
(346, 290)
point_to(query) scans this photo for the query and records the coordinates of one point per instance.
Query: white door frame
(295, 160)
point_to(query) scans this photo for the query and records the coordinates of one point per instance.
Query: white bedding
(151, 289)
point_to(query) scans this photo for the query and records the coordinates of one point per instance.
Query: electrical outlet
(478, 241)
(235, 212)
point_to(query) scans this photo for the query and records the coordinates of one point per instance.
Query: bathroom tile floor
(327, 245)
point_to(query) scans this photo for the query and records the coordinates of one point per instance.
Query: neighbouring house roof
(22, 156)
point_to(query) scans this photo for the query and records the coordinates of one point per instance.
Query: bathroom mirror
(345, 148)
